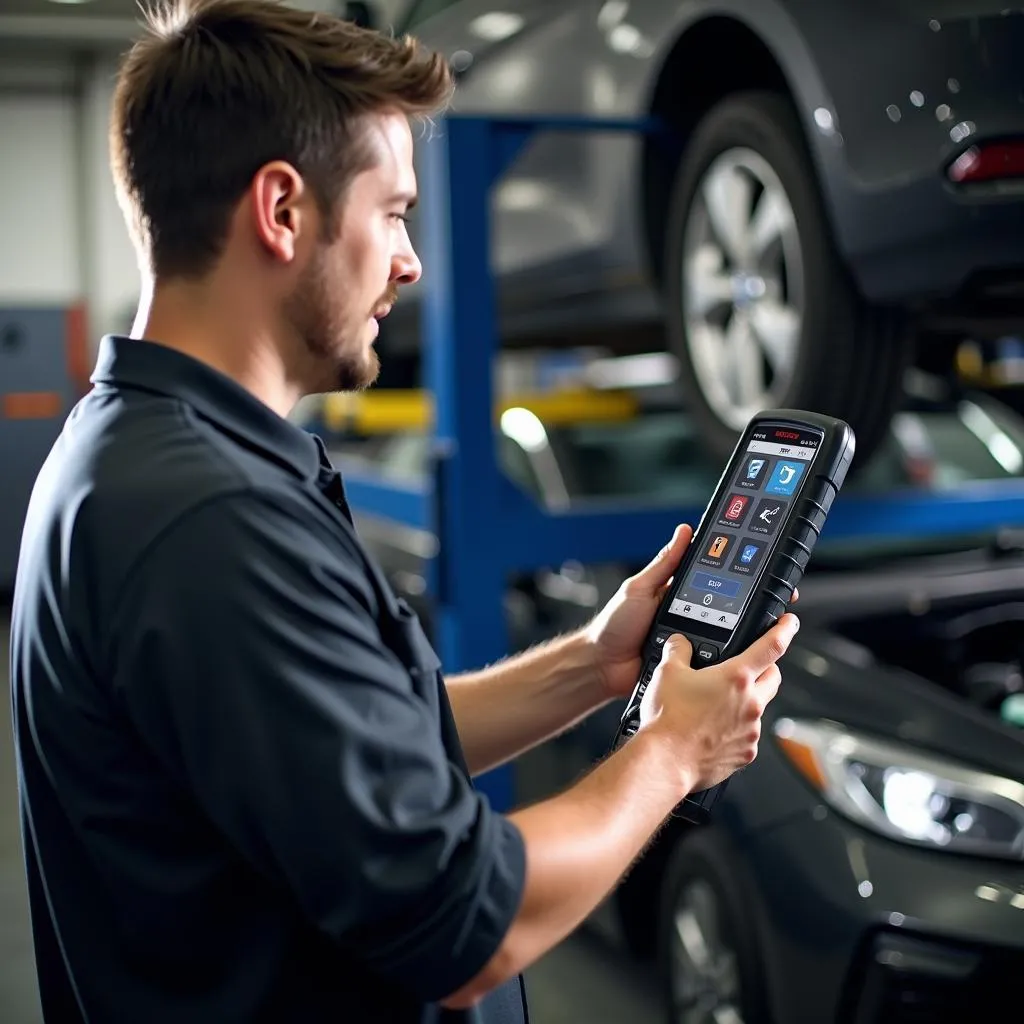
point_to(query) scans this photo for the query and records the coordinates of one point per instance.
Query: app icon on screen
(786, 478)
(767, 516)
(735, 509)
(715, 551)
(752, 474)
(748, 555)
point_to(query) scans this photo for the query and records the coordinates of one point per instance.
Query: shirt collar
(150, 366)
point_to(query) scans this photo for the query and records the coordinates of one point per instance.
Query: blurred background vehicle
(869, 863)
(838, 192)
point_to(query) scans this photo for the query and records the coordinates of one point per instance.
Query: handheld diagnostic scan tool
(749, 550)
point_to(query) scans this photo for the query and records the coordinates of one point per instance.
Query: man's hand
(712, 716)
(618, 632)
(620, 628)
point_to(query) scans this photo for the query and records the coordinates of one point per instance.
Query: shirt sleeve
(248, 656)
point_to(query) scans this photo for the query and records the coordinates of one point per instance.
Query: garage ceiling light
(525, 428)
(611, 13)
(496, 25)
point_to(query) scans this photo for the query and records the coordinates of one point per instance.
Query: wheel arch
(716, 845)
(693, 77)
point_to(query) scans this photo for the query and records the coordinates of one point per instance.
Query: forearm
(510, 707)
(578, 846)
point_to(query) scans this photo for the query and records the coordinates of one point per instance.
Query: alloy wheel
(704, 970)
(742, 283)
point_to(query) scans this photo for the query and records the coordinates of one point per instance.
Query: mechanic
(246, 786)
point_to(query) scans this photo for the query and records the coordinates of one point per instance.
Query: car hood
(826, 676)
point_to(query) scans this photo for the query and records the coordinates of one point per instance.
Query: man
(246, 788)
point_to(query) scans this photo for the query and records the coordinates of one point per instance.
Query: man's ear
(280, 211)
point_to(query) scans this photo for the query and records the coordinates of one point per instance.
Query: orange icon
(718, 546)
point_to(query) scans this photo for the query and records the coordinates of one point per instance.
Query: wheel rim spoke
(746, 362)
(773, 216)
(708, 283)
(742, 287)
(705, 979)
(727, 195)
(776, 329)
(709, 353)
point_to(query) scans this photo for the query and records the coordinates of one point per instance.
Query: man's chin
(358, 377)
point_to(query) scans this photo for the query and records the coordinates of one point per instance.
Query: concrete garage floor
(584, 981)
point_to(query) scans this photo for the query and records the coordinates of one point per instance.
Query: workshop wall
(64, 240)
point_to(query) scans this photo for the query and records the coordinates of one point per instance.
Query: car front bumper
(869, 931)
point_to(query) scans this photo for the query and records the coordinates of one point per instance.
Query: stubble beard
(341, 363)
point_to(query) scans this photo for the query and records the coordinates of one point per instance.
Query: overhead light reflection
(1001, 446)
(629, 39)
(603, 89)
(961, 131)
(611, 13)
(525, 428)
(511, 77)
(461, 61)
(494, 26)
(650, 369)
(523, 194)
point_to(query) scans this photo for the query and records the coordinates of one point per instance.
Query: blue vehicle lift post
(487, 528)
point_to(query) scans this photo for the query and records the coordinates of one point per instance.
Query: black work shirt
(243, 795)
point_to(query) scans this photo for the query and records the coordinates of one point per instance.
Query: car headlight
(905, 793)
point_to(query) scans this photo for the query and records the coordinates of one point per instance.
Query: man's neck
(181, 317)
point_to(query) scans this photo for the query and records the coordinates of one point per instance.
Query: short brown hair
(214, 89)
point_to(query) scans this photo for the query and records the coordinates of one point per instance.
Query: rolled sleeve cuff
(455, 952)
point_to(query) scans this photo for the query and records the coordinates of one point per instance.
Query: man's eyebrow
(409, 198)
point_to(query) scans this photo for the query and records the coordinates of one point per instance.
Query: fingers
(762, 654)
(677, 648)
(660, 569)
(766, 687)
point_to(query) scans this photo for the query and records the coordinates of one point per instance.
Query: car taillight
(988, 162)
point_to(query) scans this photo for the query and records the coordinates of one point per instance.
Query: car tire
(833, 352)
(703, 910)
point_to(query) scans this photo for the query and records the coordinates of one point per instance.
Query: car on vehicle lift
(869, 865)
(843, 186)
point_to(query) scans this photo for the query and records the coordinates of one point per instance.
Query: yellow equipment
(390, 411)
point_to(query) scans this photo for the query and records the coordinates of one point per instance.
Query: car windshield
(659, 455)
(656, 457)
(931, 449)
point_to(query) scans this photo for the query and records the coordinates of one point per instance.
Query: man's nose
(406, 268)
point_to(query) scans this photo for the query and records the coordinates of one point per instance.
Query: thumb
(677, 647)
(659, 570)
(768, 649)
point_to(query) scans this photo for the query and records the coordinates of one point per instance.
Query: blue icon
(754, 467)
(786, 478)
(748, 553)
